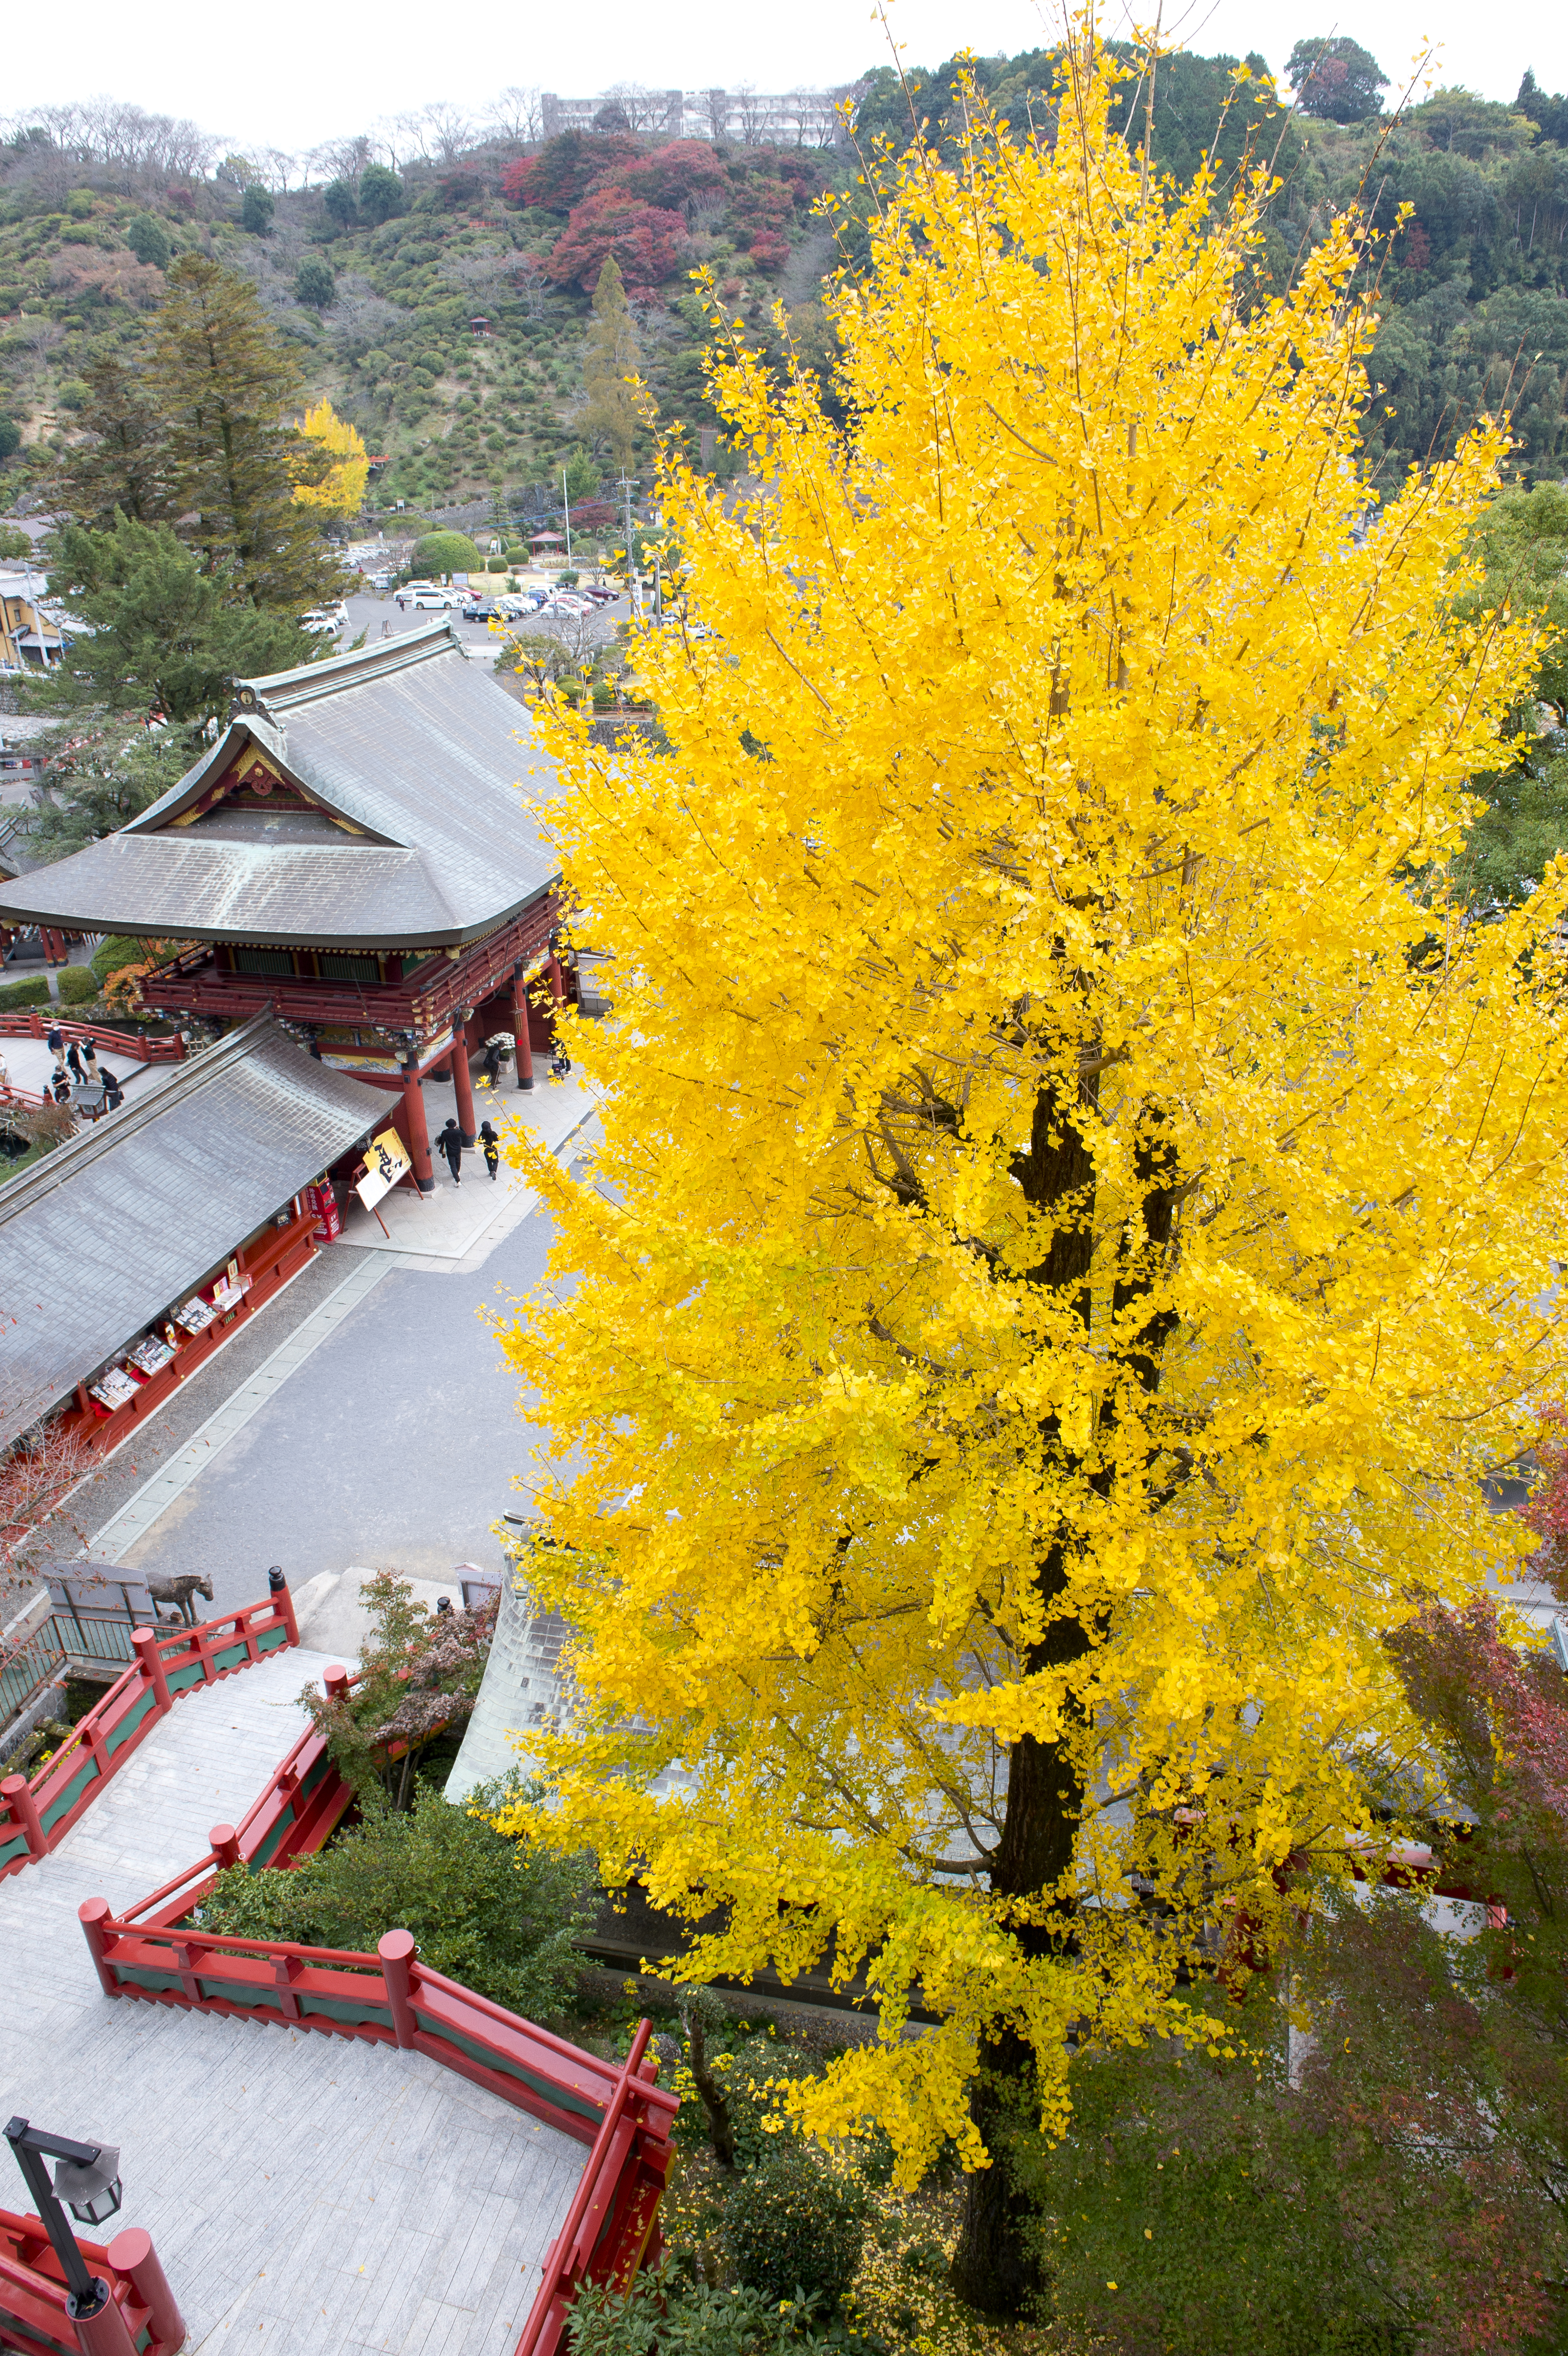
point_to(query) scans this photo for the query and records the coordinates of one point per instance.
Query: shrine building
(353, 855)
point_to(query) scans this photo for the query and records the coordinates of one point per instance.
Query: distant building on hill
(743, 118)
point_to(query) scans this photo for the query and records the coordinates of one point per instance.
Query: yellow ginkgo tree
(1075, 1216)
(341, 459)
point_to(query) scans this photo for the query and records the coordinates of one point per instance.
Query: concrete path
(306, 2193)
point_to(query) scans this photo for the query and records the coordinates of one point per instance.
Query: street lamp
(88, 2181)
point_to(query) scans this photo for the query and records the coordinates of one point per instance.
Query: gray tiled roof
(407, 740)
(105, 1234)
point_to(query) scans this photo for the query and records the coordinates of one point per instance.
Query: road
(393, 1445)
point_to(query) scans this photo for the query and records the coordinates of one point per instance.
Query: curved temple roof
(413, 756)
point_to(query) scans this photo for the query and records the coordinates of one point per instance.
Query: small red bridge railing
(34, 2318)
(33, 1023)
(36, 1812)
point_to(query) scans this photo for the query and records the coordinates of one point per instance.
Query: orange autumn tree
(1076, 1207)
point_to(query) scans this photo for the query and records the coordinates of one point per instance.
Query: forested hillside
(377, 276)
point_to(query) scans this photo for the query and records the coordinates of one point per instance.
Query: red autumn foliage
(566, 168)
(647, 244)
(685, 173)
(1546, 1509)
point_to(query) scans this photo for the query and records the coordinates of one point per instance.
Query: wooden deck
(304, 2193)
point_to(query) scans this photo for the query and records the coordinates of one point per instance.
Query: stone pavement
(304, 2191)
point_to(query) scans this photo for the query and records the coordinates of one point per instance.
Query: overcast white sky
(294, 81)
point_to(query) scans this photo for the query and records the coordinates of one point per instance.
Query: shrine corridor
(304, 2192)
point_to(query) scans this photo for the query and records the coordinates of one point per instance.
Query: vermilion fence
(33, 2314)
(390, 1998)
(37, 1813)
(33, 1023)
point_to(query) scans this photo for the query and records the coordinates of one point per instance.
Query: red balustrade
(37, 1022)
(36, 1812)
(34, 2318)
(392, 1999)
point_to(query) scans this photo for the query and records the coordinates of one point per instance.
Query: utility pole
(627, 487)
(566, 510)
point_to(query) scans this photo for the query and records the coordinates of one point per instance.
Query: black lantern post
(88, 2181)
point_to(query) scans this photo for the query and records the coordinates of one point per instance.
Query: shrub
(26, 993)
(661, 2315)
(381, 194)
(499, 1915)
(256, 209)
(119, 949)
(149, 241)
(78, 985)
(795, 2228)
(315, 284)
(10, 438)
(496, 564)
(445, 552)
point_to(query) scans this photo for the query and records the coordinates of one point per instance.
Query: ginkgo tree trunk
(1075, 1212)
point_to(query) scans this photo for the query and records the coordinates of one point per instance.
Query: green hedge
(78, 985)
(26, 993)
(117, 950)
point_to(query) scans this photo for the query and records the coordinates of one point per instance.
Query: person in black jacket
(492, 1144)
(449, 1142)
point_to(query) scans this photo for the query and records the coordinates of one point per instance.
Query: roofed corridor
(304, 2192)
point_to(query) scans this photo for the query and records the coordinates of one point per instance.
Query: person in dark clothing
(73, 1057)
(491, 1145)
(62, 1089)
(56, 1048)
(90, 1058)
(492, 1063)
(113, 1094)
(449, 1142)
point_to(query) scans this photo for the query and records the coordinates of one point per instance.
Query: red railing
(390, 1998)
(36, 1022)
(37, 1813)
(33, 2292)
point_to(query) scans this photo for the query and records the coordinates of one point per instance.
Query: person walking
(492, 1144)
(90, 1058)
(449, 1142)
(73, 1057)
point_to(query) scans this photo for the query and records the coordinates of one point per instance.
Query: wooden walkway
(306, 2193)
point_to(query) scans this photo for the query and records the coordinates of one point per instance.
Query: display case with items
(196, 1315)
(151, 1353)
(113, 1388)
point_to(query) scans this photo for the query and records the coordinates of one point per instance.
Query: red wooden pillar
(16, 1792)
(92, 1913)
(396, 1949)
(132, 2254)
(283, 1603)
(419, 1135)
(520, 1029)
(144, 1644)
(463, 1080)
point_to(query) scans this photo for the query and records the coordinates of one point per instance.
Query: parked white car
(437, 601)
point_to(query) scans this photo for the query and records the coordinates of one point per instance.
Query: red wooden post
(145, 1647)
(16, 1792)
(419, 1135)
(336, 1683)
(552, 966)
(92, 1914)
(463, 1080)
(520, 1029)
(283, 1603)
(107, 2333)
(132, 2254)
(397, 1951)
(225, 1844)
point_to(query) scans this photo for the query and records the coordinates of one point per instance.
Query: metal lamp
(87, 2178)
(91, 2187)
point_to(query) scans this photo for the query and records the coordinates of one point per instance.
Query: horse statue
(179, 1591)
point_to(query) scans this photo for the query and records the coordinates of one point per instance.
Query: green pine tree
(610, 357)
